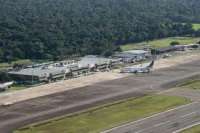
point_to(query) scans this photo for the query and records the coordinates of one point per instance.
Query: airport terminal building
(62, 70)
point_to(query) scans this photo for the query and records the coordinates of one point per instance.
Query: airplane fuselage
(4, 86)
(143, 68)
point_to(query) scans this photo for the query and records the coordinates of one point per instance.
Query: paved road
(167, 122)
(46, 107)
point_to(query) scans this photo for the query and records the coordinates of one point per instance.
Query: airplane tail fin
(151, 64)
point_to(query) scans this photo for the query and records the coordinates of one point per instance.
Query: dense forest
(55, 29)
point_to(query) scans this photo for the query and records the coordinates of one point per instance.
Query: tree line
(57, 29)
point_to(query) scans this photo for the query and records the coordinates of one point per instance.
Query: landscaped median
(192, 84)
(195, 129)
(104, 117)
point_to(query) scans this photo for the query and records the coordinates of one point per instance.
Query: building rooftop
(136, 52)
(41, 71)
(44, 69)
(61, 67)
(92, 60)
(131, 53)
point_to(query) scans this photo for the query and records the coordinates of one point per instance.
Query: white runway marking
(188, 115)
(160, 124)
(178, 131)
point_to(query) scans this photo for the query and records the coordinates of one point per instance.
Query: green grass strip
(191, 84)
(195, 129)
(105, 117)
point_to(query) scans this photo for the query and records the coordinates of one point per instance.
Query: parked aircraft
(141, 68)
(4, 86)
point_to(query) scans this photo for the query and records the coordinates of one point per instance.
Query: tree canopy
(54, 29)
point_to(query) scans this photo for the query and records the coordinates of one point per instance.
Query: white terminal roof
(136, 52)
(91, 60)
(41, 71)
(45, 70)
(131, 53)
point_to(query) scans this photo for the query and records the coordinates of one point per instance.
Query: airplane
(141, 68)
(4, 86)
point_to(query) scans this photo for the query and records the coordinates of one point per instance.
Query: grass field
(196, 26)
(160, 43)
(104, 117)
(193, 84)
(195, 129)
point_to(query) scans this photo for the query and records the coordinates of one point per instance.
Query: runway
(46, 107)
(166, 122)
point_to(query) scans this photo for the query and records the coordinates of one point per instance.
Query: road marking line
(144, 130)
(157, 125)
(139, 131)
(188, 114)
(140, 120)
(160, 124)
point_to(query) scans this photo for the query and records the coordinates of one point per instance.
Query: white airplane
(141, 68)
(4, 86)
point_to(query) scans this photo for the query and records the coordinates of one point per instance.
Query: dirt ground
(178, 58)
(61, 86)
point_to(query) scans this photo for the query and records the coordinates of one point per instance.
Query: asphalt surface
(166, 122)
(59, 104)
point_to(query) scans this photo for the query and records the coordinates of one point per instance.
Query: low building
(168, 49)
(38, 74)
(96, 63)
(132, 55)
(92, 61)
(61, 70)
(175, 48)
